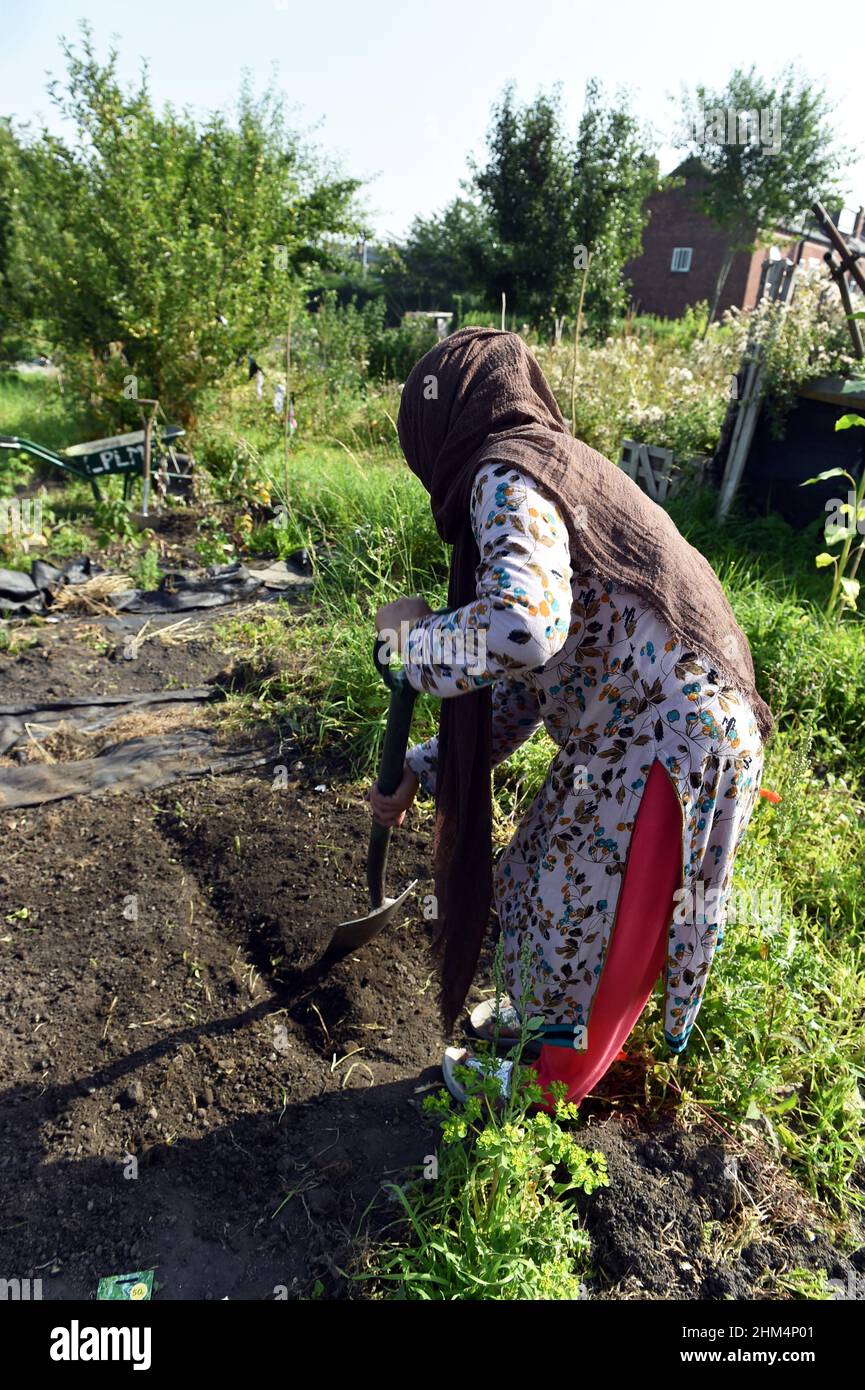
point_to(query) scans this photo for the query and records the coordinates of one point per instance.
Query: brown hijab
(477, 398)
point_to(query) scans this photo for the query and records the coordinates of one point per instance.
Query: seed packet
(134, 1288)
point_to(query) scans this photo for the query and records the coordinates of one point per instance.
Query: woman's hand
(390, 810)
(398, 618)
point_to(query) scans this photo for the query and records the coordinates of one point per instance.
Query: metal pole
(145, 480)
(578, 326)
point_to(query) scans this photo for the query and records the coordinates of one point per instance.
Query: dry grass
(90, 597)
(65, 743)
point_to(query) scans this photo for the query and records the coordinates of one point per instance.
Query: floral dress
(615, 690)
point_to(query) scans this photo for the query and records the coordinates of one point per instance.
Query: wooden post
(504, 302)
(148, 440)
(847, 258)
(578, 328)
(844, 290)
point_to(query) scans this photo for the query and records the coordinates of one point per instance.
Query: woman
(574, 603)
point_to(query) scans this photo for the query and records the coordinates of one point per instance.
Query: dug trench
(172, 1098)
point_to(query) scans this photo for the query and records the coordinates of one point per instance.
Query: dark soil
(182, 1040)
(184, 1090)
(83, 656)
(690, 1215)
(265, 1107)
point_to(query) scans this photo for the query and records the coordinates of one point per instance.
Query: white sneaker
(484, 1023)
(461, 1057)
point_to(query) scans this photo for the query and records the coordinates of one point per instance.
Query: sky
(400, 91)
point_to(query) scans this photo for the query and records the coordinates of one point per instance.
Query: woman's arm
(521, 614)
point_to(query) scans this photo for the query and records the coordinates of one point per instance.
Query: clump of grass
(145, 573)
(368, 530)
(14, 640)
(39, 409)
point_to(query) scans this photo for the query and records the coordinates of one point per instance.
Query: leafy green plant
(156, 248)
(843, 527)
(113, 521)
(13, 641)
(805, 337)
(214, 545)
(811, 1285)
(494, 1219)
(145, 572)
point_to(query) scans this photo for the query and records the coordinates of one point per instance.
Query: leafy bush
(158, 250)
(672, 387)
(806, 338)
(496, 1223)
(636, 388)
(394, 351)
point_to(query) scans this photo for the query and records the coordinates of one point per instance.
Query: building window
(681, 258)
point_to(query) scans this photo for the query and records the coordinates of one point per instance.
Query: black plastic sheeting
(22, 594)
(25, 723)
(134, 765)
(179, 590)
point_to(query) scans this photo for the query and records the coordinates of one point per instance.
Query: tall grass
(367, 527)
(36, 407)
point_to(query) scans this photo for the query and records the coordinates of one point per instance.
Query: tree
(614, 175)
(162, 249)
(766, 151)
(14, 278)
(451, 254)
(526, 189)
(553, 199)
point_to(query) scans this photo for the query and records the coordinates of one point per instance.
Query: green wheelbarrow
(121, 454)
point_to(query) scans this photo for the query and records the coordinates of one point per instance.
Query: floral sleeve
(423, 761)
(520, 617)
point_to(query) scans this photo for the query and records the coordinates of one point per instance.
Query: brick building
(683, 252)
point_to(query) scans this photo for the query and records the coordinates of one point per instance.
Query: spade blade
(350, 935)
